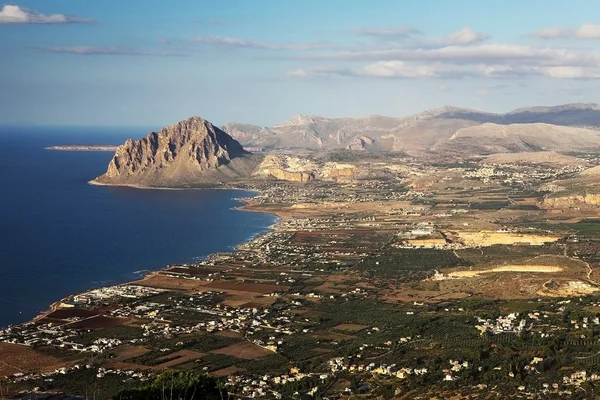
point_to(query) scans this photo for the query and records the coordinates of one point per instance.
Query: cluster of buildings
(339, 364)
(108, 294)
(503, 324)
(520, 174)
(101, 373)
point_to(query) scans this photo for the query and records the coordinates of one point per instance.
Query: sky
(155, 62)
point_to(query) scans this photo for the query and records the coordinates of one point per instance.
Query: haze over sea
(59, 235)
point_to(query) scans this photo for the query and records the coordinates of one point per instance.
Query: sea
(60, 236)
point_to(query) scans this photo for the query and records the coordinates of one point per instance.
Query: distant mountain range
(437, 129)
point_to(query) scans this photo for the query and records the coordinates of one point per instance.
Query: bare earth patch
(571, 288)
(349, 327)
(245, 350)
(505, 268)
(489, 238)
(128, 352)
(18, 358)
(179, 357)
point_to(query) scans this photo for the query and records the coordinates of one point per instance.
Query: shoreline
(84, 147)
(95, 182)
(245, 206)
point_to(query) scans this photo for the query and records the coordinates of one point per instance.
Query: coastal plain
(405, 278)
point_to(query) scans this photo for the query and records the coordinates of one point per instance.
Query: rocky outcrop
(572, 200)
(360, 143)
(190, 153)
(286, 168)
(283, 175)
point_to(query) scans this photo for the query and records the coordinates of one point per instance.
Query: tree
(177, 385)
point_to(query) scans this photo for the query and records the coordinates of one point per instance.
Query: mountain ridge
(401, 133)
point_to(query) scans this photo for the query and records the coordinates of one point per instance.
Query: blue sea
(59, 235)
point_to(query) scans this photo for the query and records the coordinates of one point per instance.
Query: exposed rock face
(360, 143)
(431, 130)
(283, 175)
(189, 153)
(286, 168)
(572, 200)
(306, 169)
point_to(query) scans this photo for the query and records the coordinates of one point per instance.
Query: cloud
(400, 69)
(392, 32)
(585, 31)
(472, 54)
(458, 55)
(12, 14)
(406, 37)
(441, 70)
(571, 72)
(323, 71)
(588, 31)
(387, 70)
(221, 41)
(466, 35)
(105, 50)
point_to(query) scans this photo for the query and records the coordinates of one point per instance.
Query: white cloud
(319, 71)
(405, 37)
(465, 36)
(585, 31)
(570, 72)
(486, 53)
(104, 50)
(550, 33)
(400, 69)
(12, 14)
(244, 43)
(588, 31)
(442, 70)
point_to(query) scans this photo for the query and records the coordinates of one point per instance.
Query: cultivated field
(244, 350)
(16, 358)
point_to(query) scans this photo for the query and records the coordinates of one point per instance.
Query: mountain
(190, 153)
(313, 132)
(427, 130)
(490, 138)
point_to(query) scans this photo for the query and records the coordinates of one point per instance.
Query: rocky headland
(190, 153)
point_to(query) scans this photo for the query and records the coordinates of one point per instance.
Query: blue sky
(152, 63)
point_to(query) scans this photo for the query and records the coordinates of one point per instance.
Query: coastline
(83, 147)
(245, 206)
(95, 182)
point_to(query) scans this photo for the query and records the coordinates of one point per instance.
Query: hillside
(190, 153)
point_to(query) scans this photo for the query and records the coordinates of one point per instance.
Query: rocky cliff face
(189, 153)
(572, 200)
(286, 168)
